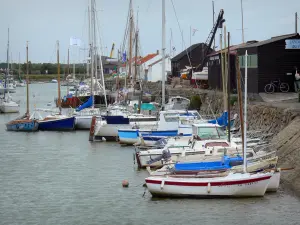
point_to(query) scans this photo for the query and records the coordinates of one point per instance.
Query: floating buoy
(125, 183)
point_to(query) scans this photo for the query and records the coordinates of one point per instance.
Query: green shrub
(195, 103)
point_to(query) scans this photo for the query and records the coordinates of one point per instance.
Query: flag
(194, 31)
(74, 41)
(124, 57)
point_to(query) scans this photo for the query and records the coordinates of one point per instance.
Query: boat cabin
(177, 103)
(203, 131)
(169, 120)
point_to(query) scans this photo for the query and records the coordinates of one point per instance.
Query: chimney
(157, 52)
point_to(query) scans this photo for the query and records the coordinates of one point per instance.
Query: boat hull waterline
(236, 185)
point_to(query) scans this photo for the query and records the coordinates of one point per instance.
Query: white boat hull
(4, 108)
(110, 131)
(233, 185)
(274, 182)
(83, 122)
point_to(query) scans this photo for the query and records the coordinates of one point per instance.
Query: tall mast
(19, 69)
(163, 70)
(136, 57)
(242, 12)
(95, 42)
(213, 8)
(27, 81)
(68, 71)
(7, 58)
(68, 61)
(100, 59)
(245, 113)
(58, 79)
(91, 51)
(130, 39)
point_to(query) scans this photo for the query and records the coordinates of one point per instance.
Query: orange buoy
(125, 183)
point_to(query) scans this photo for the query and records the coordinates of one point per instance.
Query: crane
(112, 50)
(209, 40)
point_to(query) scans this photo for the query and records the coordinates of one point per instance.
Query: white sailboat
(84, 117)
(7, 105)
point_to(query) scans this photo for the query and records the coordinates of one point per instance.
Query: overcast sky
(42, 22)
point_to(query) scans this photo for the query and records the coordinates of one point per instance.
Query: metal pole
(296, 23)
(130, 41)
(239, 88)
(163, 54)
(243, 37)
(213, 8)
(27, 82)
(58, 79)
(228, 87)
(245, 112)
(92, 52)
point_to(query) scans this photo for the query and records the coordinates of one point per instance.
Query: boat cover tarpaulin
(225, 163)
(87, 104)
(222, 120)
(147, 106)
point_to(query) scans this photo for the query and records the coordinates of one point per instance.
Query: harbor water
(62, 178)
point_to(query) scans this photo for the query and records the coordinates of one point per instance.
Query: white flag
(75, 41)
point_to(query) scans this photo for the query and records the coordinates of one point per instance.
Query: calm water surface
(62, 178)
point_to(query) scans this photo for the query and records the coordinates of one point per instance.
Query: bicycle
(270, 88)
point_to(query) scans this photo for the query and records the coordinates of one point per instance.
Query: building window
(252, 61)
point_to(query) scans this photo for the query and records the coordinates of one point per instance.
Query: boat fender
(208, 188)
(162, 184)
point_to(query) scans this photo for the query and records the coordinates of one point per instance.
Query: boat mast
(245, 112)
(163, 53)
(100, 58)
(130, 39)
(27, 81)
(58, 79)
(95, 42)
(136, 48)
(19, 70)
(7, 58)
(91, 51)
(68, 69)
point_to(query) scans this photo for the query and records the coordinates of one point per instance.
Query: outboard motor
(165, 156)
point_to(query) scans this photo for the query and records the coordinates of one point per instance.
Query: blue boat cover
(148, 106)
(225, 163)
(222, 120)
(87, 104)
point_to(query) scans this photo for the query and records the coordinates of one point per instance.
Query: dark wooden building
(270, 60)
(194, 52)
(215, 70)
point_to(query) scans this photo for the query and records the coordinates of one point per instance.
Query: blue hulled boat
(57, 123)
(22, 124)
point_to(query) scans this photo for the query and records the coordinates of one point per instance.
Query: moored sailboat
(24, 123)
(57, 122)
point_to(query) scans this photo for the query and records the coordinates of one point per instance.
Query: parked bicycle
(278, 85)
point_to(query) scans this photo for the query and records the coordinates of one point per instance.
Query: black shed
(270, 60)
(180, 61)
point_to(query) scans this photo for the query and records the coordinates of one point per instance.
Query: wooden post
(222, 73)
(27, 81)
(225, 70)
(58, 79)
(228, 87)
(239, 87)
(92, 129)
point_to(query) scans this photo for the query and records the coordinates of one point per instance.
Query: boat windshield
(211, 133)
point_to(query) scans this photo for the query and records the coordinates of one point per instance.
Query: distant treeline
(44, 68)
